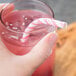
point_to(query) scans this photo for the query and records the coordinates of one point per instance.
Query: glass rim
(46, 5)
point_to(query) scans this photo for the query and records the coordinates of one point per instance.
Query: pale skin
(14, 65)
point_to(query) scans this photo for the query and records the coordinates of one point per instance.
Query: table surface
(63, 9)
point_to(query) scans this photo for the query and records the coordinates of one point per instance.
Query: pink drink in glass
(17, 22)
(14, 24)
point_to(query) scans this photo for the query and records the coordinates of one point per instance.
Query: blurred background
(63, 9)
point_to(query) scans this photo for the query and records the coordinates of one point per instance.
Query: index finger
(1, 6)
(8, 7)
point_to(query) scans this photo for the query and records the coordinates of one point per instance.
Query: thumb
(41, 51)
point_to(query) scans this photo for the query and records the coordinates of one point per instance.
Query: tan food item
(65, 60)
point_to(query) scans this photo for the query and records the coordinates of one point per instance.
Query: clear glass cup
(15, 17)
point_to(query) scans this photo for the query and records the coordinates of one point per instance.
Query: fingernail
(52, 39)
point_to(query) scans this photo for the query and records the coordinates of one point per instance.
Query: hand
(12, 65)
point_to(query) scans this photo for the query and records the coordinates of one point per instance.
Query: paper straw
(35, 23)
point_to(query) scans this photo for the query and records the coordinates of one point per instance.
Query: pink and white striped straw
(47, 21)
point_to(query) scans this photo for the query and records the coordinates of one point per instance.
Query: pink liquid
(16, 22)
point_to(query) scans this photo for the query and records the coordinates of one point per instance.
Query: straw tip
(65, 25)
